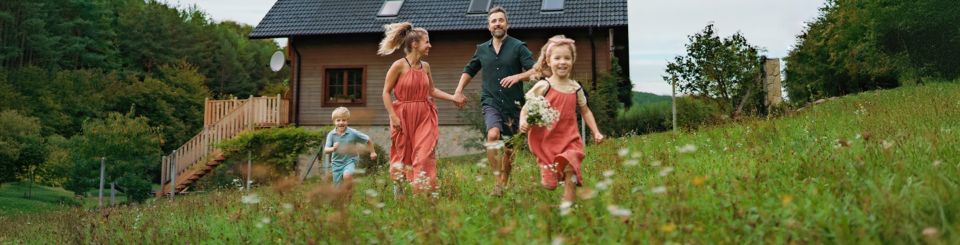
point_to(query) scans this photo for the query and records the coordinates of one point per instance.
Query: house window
(479, 6)
(344, 86)
(390, 8)
(551, 5)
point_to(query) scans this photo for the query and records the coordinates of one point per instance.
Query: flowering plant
(540, 113)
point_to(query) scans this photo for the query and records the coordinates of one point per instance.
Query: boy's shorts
(340, 169)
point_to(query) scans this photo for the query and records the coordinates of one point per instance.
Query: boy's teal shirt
(350, 136)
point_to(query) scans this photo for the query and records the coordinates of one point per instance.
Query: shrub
(692, 113)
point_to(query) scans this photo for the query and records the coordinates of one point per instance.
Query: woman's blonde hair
(542, 67)
(400, 35)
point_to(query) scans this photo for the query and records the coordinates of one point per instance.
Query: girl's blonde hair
(400, 35)
(542, 68)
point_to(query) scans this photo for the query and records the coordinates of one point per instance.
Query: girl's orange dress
(559, 145)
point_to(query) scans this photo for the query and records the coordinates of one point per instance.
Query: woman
(413, 116)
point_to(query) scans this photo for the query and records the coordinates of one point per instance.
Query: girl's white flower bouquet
(539, 112)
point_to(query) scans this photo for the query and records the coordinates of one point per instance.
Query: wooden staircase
(222, 120)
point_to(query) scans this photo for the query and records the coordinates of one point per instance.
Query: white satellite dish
(276, 62)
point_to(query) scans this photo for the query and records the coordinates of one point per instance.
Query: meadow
(875, 167)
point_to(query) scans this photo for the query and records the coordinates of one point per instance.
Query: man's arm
(509, 81)
(470, 70)
(526, 62)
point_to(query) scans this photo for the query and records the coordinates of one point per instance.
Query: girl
(413, 116)
(558, 148)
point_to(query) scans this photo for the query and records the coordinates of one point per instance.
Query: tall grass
(877, 167)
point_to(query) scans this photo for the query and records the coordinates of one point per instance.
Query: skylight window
(479, 6)
(390, 8)
(552, 5)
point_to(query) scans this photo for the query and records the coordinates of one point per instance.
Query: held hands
(459, 99)
(524, 126)
(373, 154)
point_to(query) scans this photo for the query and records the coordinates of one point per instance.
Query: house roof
(326, 17)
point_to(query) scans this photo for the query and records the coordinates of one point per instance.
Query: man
(503, 60)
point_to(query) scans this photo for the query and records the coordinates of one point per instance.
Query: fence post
(113, 193)
(173, 174)
(102, 172)
(249, 168)
(673, 103)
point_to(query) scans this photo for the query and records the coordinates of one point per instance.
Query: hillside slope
(877, 167)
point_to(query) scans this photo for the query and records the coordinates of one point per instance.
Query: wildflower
(618, 211)
(655, 163)
(688, 148)
(930, 232)
(371, 193)
(608, 173)
(659, 189)
(557, 240)
(565, 208)
(623, 152)
(604, 184)
(380, 205)
(666, 171)
(887, 144)
(786, 199)
(360, 171)
(479, 178)
(288, 207)
(636, 155)
(435, 195)
(250, 199)
(496, 145)
(265, 220)
(937, 163)
(631, 162)
(668, 227)
(698, 181)
(396, 166)
(539, 112)
(367, 212)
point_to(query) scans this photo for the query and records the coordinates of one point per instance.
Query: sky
(658, 29)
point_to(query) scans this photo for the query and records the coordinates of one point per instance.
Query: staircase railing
(223, 124)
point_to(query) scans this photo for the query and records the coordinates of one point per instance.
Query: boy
(345, 145)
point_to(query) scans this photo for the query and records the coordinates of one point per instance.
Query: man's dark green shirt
(514, 57)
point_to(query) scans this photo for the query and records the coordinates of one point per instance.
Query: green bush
(692, 113)
(276, 147)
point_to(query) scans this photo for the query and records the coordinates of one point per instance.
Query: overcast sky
(658, 28)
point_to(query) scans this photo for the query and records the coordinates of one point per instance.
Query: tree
(21, 146)
(722, 69)
(130, 148)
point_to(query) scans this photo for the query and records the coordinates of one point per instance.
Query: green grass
(877, 167)
(13, 199)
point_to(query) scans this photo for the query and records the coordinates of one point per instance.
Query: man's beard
(498, 33)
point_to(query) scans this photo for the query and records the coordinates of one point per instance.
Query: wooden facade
(449, 54)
